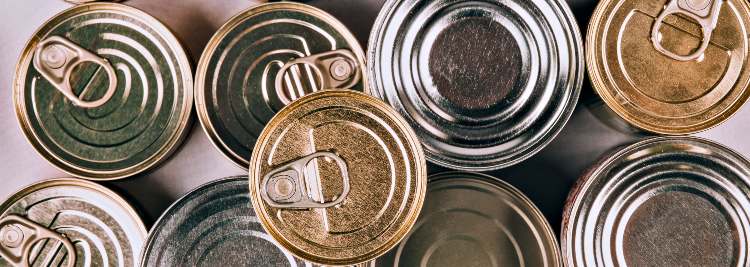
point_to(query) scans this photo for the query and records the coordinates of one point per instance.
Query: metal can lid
(42, 223)
(214, 225)
(477, 219)
(670, 201)
(103, 91)
(337, 177)
(264, 58)
(485, 84)
(670, 67)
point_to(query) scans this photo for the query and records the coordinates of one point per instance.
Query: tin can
(337, 177)
(69, 222)
(103, 91)
(214, 225)
(671, 67)
(264, 58)
(485, 84)
(668, 201)
(472, 219)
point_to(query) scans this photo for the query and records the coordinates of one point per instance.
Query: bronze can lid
(667, 201)
(671, 66)
(337, 177)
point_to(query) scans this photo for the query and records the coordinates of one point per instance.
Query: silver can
(69, 222)
(484, 84)
(670, 201)
(471, 219)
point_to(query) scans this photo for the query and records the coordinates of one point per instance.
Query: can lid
(264, 58)
(478, 219)
(337, 177)
(672, 66)
(213, 225)
(103, 91)
(485, 84)
(41, 224)
(671, 201)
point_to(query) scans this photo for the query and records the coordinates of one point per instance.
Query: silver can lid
(484, 84)
(41, 224)
(214, 225)
(471, 219)
(661, 202)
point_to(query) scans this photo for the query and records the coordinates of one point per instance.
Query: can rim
(420, 172)
(200, 75)
(598, 82)
(513, 191)
(149, 163)
(574, 200)
(159, 225)
(577, 43)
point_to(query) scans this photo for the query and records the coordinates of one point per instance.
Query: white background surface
(546, 178)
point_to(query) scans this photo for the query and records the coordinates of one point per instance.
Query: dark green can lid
(264, 58)
(103, 91)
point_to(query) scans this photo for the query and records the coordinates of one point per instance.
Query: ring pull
(56, 57)
(288, 186)
(334, 69)
(705, 12)
(18, 236)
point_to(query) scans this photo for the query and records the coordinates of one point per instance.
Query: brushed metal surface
(545, 178)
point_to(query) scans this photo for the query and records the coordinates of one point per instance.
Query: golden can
(670, 67)
(337, 177)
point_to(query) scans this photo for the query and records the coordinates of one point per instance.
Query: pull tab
(288, 186)
(705, 12)
(18, 236)
(56, 57)
(335, 69)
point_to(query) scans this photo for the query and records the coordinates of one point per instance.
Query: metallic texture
(670, 201)
(471, 219)
(656, 92)
(485, 84)
(386, 169)
(139, 126)
(18, 236)
(214, 225)
(236, 81)
(103, 229)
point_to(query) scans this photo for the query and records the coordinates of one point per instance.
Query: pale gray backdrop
(546, 178)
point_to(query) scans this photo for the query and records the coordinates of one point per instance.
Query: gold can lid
(670, 66)
(337, 177)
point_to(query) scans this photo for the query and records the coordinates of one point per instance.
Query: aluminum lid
(337, 177)
(661, 202)
(214, 225)
(471, 219)
(485, 84)
(45, 221)
(103, 91)
(670, 66)
(264, 58)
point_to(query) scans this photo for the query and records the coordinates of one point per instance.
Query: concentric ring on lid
(485, 84)
(236, 81)
(103, 91)
(656, 91)
(337, 177)
(672, 201)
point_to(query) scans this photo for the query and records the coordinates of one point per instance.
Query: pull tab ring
(18, 236)
(56, 57)
(287, 186)
(707, 16)
(334, 69)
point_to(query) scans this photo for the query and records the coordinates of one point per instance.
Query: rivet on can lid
(104, 91)
(671, 67)
(263, 59)
(358, 172)
(485, 84)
